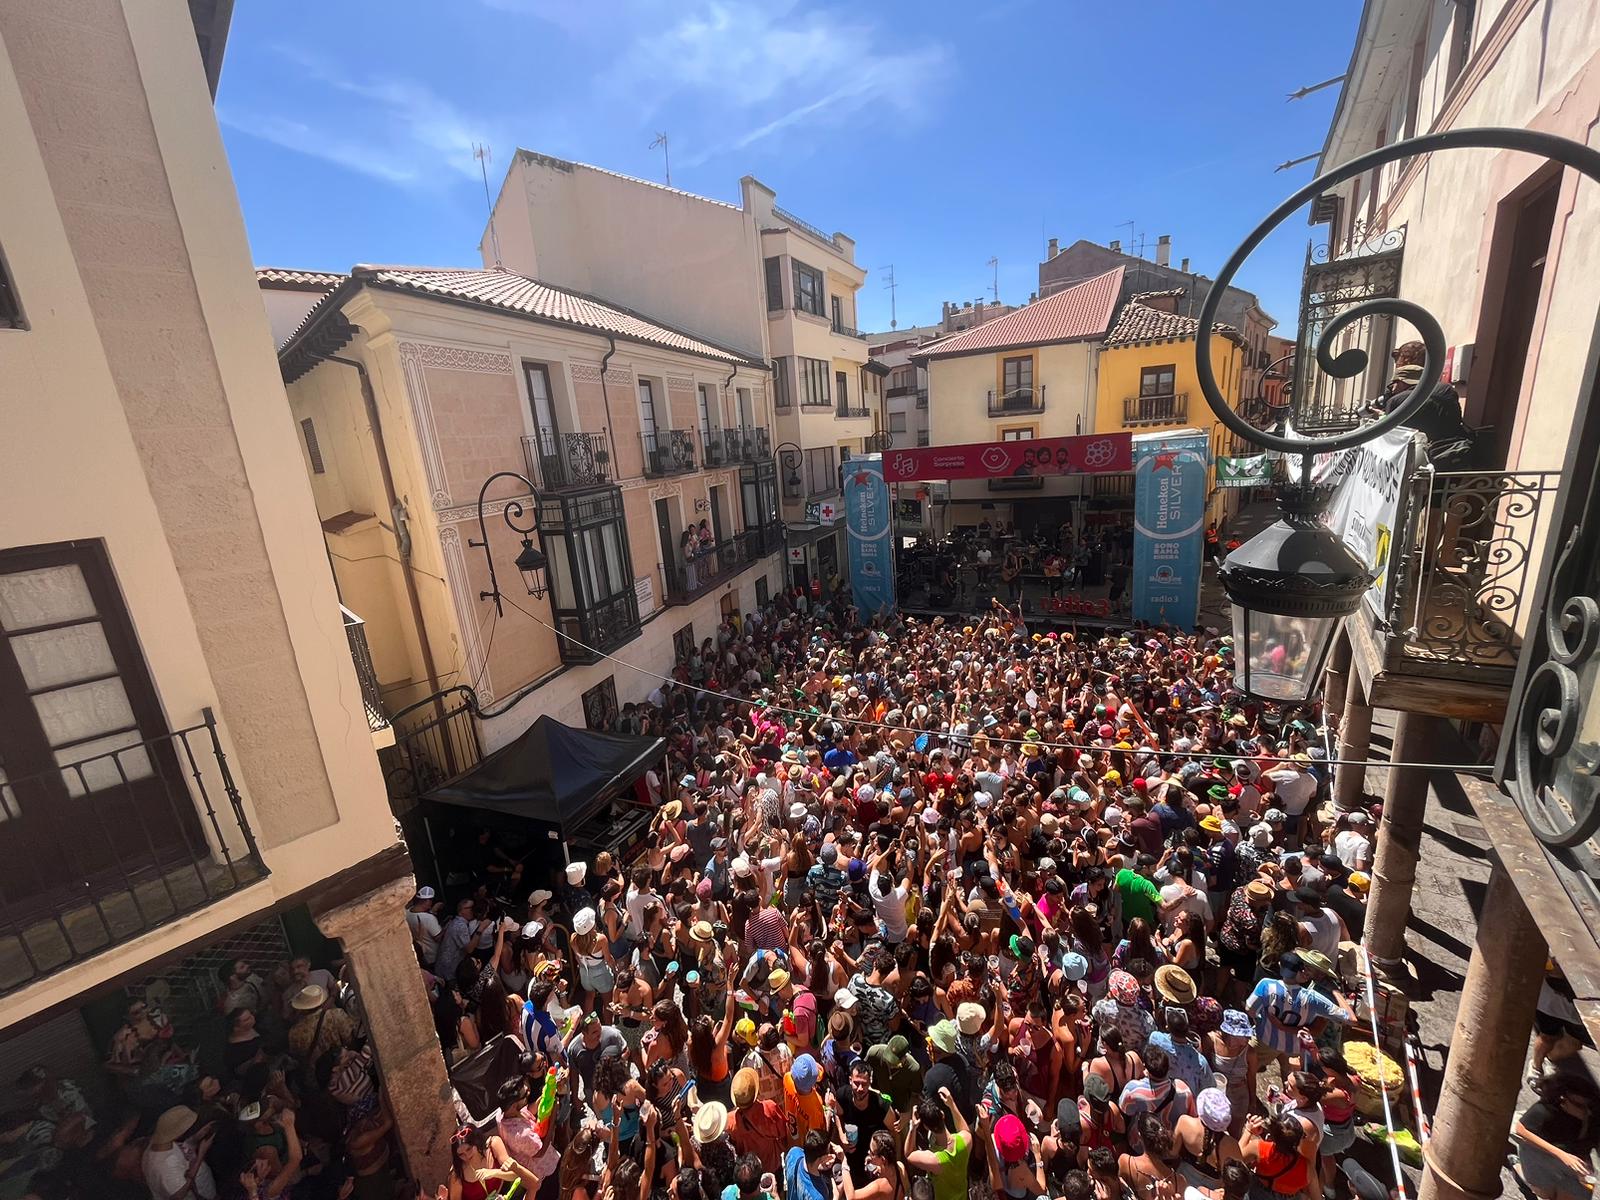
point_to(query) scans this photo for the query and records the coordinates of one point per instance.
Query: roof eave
(726, 358)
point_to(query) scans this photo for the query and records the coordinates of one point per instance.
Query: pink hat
(1011, 1138)
(703, 888)
(1124, 988)
(1106, 731)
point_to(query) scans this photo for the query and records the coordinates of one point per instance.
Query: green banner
(1253, 470)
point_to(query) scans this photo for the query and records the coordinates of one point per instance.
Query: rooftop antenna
(1295, 162)
(890, 286)
(481, 153)
(666, 157)
(994, 265)
(1302, 93)
(1129, 242)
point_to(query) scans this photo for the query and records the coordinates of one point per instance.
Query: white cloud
(395, 130)
(778, 67)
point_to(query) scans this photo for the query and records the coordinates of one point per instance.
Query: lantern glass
(531, 562)
(1280, 657)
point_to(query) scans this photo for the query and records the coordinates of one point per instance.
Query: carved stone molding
(469, 512)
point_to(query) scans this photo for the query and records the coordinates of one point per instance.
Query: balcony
(1017, 401)
(922, 397)
(1016, 483)
(668, 452)
(558, 460)
(735, 445)
(845, 411)
(717, 564)
(1459, 595)
(142, 835)
(1155, 410)
(355, 632)
(846, 331)
(900, 389)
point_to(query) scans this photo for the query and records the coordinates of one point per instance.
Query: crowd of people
(931, 908)
(1019, 565)
(270, 1094)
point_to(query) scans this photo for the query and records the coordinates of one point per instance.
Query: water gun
(545, 1110)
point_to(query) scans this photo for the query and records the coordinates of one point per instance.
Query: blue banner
(1169, 516)
(868, 518)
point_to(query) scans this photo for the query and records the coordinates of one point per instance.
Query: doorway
(1523, 253)
(666, 532)
(717, 524)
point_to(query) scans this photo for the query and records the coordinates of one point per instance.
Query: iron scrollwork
(1554, 772)
(516, 510)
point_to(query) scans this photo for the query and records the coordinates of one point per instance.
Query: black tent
(554, 773)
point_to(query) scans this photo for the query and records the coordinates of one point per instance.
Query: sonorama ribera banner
(1369, 482)
(1169, 515)
(1091, 454)
(868, 519)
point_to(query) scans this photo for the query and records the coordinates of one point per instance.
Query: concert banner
(1169, 515)
(1091, 454)
(868, 521)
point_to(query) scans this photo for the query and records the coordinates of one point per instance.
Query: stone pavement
(1452, 880)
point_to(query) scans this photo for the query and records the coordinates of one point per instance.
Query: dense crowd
(930, 908)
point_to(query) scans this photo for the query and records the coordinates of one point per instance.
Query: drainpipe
(605, 399)
(726, 385)
(402, 542)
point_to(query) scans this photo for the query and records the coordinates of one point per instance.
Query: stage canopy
(553, 773)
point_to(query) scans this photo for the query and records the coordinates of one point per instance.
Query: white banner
(1369, 483)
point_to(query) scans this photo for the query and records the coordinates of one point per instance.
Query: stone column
(1487, 1050)
(1337, 677)
(1399, 839)
(1355, 738)
(378, 946)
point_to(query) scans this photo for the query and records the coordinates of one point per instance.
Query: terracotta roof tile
(306, 281)
(517, 294)
(1139, 323)
(1081, 311)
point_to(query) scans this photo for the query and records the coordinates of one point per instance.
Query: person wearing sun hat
(757, 1126)
(1204, 1139)
(1120, 1008)
(801, 1099)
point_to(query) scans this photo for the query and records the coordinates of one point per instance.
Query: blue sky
(936, 134)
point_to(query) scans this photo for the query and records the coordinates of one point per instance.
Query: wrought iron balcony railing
(668, 452)
(1017, 400)
(1016, 483)
(922, 397)
(715, 450)
(142, 835)
(716, 564)
(1465, 559)
(900, 389)
(841, 328)
(567, 460)
(741, 444)
(846, 410)
(355, 632)
(1169, 409)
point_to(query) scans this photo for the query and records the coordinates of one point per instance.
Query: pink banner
(1090, 454)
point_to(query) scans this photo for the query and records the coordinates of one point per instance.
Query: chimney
(1055, 248)
(945, 314)
(1163, 249)
(1184, 267)
(1116, 245)
(1032, 296)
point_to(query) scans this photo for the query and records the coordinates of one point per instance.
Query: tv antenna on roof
(994, 265)
(481, 153)
(661, 140)
(890, 286)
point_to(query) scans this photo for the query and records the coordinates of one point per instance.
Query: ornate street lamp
(530, 561)
(1293, 583)
(789, 459)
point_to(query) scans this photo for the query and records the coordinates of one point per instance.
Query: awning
(553, 773)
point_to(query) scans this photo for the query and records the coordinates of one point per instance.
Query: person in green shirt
(895, 1072)
(1140, 896)
(948, 1150)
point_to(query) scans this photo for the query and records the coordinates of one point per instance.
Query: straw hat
(1176, 984)
(309, 998)
(710, 1122)
(173, 1124)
